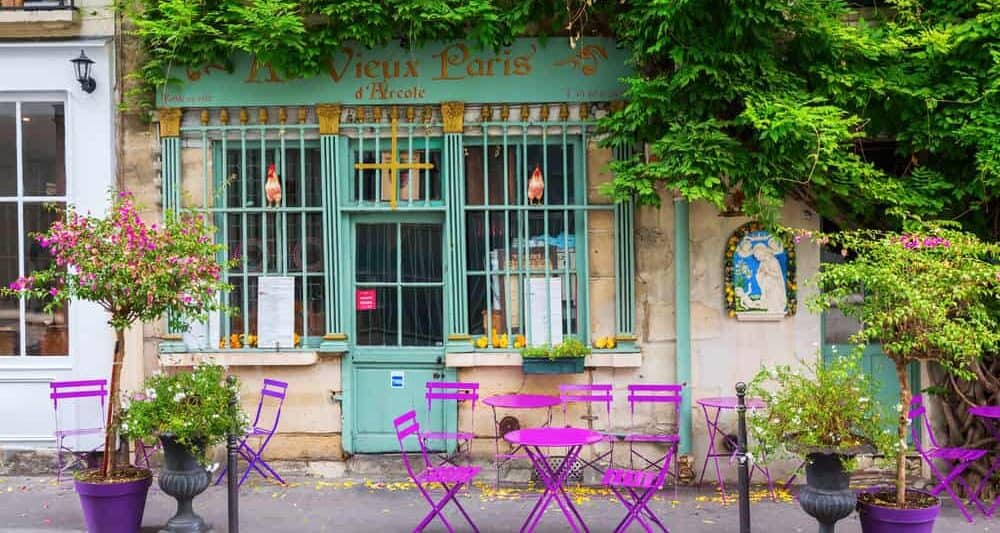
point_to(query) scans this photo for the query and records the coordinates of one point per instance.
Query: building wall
(92, 18)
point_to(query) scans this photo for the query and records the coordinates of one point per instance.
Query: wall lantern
(82, 65)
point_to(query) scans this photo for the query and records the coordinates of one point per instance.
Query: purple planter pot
(879, 519)
(113, 507)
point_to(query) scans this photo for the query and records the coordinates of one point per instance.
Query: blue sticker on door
(397, 379)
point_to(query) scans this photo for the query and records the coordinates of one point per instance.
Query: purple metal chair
(634, 488)
(272, 389)
(960, 458)
(591, 394)
(458, 391)
(78, 391)
(143, 452)
(655, 394)
(450, 478)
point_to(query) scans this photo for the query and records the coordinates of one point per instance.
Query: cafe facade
(436, 209)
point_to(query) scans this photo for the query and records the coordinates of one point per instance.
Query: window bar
(524, 264)
(487, 229)
(399, 286)
(583, 281)
(427, 172)
(303, 244)
(243, 229)
(567, 283)
(377, 132)
(222, 195)
(409, 160)
(506, 236)
(22, 304)
(360, 181)
(281, 217)
(204, 166)
(545, 226)
(263, 198)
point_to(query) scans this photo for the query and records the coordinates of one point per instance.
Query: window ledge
(598, 359)
(235, 358)
(44, 18)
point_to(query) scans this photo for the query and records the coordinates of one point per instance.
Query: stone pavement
(36, 504)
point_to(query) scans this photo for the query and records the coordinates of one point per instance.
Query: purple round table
(516, 401)
(991, 417)
(533, 440)
(719, 404)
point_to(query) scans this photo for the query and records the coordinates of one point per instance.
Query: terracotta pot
(12, 3)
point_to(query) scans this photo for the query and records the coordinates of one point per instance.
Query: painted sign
(365, 300)
(397, 379)
(526, 71)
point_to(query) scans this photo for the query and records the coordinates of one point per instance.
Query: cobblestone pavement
(346, 505)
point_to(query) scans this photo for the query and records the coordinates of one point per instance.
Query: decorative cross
(394, 165)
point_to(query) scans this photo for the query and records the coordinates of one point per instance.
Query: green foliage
(829, 406)
(191, 406)
(852, 111)
(569, 348)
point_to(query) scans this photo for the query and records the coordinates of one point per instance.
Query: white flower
(151, 393)
(213, 467)
(863, 399)
(179, 396)
(899, 408)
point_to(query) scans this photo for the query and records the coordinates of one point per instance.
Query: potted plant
(564, 358)
(136, 272)
(189, 412)
(825, 413)
(927, 296)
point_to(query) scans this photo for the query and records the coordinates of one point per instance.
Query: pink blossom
(53, 291)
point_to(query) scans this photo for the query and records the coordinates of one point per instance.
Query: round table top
(731, 402)
(553, 437)
(986, 411)
(522, 401)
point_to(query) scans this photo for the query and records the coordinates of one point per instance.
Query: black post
(231, 473)
(741, 451)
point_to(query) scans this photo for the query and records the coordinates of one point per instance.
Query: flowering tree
(929, 294)
(133, 270)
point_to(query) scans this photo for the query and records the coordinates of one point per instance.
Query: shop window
(524, 240)
(32, 196)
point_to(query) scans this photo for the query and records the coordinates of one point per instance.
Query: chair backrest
(61, 391)
(572, 393)
(275, 390)
(918, 411)
(406, 425)
(643, 393)
(452, 390)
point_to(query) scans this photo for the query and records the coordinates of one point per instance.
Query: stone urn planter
(827, 496)
(183, 478)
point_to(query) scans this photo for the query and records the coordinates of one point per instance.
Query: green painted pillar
(682, 314)
(170, 185)
(335, 339)
(457, 302)
(625, 264)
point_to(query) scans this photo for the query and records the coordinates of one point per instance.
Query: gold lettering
(255, 67)
(338, 75)
(506, 62)
(522, 66)
(447, 59)
(411, 68)
(371, 68)
(477, 67)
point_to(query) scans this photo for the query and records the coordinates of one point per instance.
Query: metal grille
(575, 471)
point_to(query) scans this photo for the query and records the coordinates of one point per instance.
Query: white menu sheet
(275, 312)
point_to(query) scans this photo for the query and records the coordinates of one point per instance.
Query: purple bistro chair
(272, 389)
(591, 394)
(143, 452)
(634, 488)
(654, 394)
(455, 476)
(77, 392)
(960, 458)
(458, 391)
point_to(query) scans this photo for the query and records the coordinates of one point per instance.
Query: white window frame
(22, 360)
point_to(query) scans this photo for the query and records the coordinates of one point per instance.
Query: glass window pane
(558, 185)
(314, 242)
(316, 307)
(379, 326)
(376, 253)
(47, 333)
(421, 252)
(8, 151)
(422, 316)
(10, 323)
(43, 142)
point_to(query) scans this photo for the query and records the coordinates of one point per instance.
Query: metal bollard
(232, 480)
(741, 453)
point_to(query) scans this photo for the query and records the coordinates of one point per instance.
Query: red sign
(365, 299)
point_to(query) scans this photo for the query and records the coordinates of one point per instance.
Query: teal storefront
(430, 199)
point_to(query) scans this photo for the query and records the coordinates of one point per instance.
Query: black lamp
(82, 65)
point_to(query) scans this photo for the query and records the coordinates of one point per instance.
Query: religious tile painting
(760, 274)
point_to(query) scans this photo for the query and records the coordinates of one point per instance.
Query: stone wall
(91, 18)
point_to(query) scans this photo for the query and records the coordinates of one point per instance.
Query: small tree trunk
(902, 373)
(109, 434)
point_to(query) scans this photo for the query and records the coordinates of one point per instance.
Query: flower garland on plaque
(760, 274)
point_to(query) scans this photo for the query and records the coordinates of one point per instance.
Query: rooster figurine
(272, 188)
(536, 186)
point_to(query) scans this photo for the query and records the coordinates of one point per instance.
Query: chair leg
(945, 482)
(458, 504)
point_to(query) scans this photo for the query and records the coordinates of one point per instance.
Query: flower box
(544, 365)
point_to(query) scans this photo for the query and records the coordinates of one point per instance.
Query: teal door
(397, 287)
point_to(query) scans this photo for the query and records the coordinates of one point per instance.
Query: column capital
(329, 118)
(453, 114)
(170, 121)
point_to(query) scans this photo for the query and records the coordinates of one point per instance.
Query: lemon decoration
(611, 342)
(601, 343)
(481, 342)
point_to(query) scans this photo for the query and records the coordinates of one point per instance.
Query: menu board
(275, 312)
